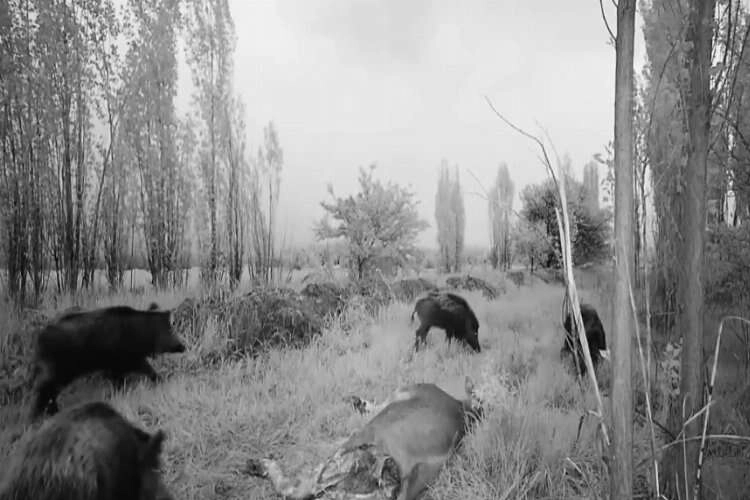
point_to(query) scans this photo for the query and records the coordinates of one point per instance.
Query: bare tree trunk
(235, 221)
(641, 225)
(132, 250)
(457, 262)
(67, 181)
(621, 477)
(636, 233)
(213, 257)
(690, 291)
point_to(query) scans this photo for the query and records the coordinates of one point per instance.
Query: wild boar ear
(153, 306)
(151, 451)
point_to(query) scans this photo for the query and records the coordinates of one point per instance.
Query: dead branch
(558, 162)
(647, 386)
(546, 161)
(566, 250)
(486, 195)
(477, 194)
(612, 37)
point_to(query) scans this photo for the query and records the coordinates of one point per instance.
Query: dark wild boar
(450, 312)
(402, 449)
(594, 336)
(87, 452)
(116, 340)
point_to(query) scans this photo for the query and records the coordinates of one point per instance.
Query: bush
(727, 269)
(327, 299)
(251, 323)
(470, 283)
(374, 292)
(407, 290)
(517, 277)
(590, 228)
(17, 354)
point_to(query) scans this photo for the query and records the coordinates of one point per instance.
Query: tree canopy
(451, 219)
(380, 223)
(590, 226)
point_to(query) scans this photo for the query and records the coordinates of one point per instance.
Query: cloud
(401, 84)
(369, 32)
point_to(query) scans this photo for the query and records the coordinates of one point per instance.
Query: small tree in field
(532, 242)
(380, 224)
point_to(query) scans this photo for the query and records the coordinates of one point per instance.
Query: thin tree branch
(478, 195)
(547, 162)
(486, 195)
(612, 37)
(566, 251)
(552, 144)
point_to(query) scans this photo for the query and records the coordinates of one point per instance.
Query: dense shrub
(727, 266)
(254, 322)
(590, 228)
(517, 277)
(407, 290)
(375, 293)
(16, 353)
(470, 283)
(326, 299)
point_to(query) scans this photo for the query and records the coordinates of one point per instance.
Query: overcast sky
(400, 83)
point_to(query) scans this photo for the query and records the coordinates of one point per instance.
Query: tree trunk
(621, 476)
(684, 459)
(637, 245)
(212, 193)
(457, 256)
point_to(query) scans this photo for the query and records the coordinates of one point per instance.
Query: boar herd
(92, 452)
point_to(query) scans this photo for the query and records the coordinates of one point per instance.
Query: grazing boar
(594, 336)
(116, 340)
(400, 451)
(450, 312)
(87, 452)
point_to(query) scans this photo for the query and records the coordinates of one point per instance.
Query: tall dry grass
(537, 440)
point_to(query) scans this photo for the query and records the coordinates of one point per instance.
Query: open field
(289, 403)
